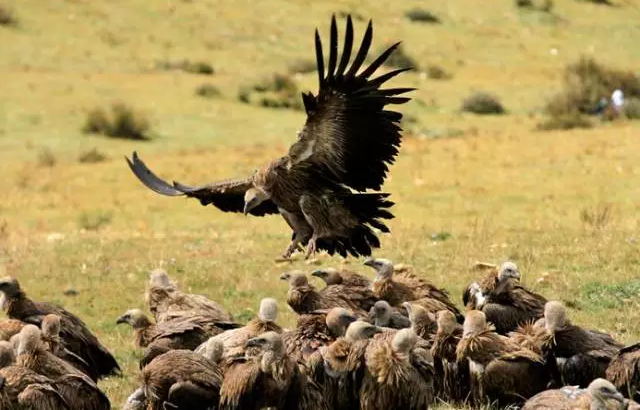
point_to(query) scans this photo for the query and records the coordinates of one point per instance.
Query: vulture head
(508, 270)
(159, 278)
(383, 267)
(555, 316)
(136, 318)
(447, 323)
(213, 349)
(474, 322)
(338, 320)
(268, 310)
(381, 313)
(30, 339)
(418, 313)
(9, 287)
(270, 347)
(252, 198)
(361, 330)
(605, 395)
(50, 325)
(404, 341)
(295, 278)
(7, 355)
(330, 276)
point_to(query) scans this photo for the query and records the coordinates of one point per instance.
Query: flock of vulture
(392, 342)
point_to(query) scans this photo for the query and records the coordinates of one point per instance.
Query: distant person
(617, 100)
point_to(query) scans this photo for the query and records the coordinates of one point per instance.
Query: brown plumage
(503, 371)
(268, 378)
(74, 333)
(166, 301)
(451, 375)
(332, 276)
(383, 315)
(624, 371)
(582, 355)
(600, 395)
(179, 377)
(474, 296)
(530, 336)
(234, 340)
(405, 286)
(51, 338)
(303, 297)
(314, 330)
(348, 142)
(78, 389)
(398, 375)
(10, 327)
(423, 322)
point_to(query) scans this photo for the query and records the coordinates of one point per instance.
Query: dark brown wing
(227, 195)
(349, 134)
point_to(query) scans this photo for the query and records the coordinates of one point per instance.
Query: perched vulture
(303, 297)
(184, 379)
(400, 287)
(581, 355)
(383, 315)
(599, 395)
(268, 378)
(474, 296)
(398, 375)
(42, 397)
(74, 334)
(79, 391)
(166, 301)
(332, 276)
(234, 340)
(51, 337)
(422, 321)
(624, 371)
(10, 327)
(451, 375)
(504, 372)
(314, 330)
(348, 142)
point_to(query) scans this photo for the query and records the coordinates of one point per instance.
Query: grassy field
(563, 205)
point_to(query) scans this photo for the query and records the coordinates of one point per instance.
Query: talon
(311, 248)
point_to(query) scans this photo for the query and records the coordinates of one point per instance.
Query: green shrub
(436, 72)
(208, 91)
(565, 121)
(122, 122)
(631, 108)
(92, 156)
(277, 91)
(94, 220)
(482, 103)
(188, 66)
(422, 16)
(46, 158)
(400, 59)
(7, 16)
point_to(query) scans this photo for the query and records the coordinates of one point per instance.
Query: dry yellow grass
(563, 205)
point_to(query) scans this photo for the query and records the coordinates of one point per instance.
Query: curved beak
(246, 208)
(407, 306)
(285, 276)
(255, 342)
(121, 320)
(369, 262)
(317, 273)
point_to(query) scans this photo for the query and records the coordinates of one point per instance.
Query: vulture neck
(145, 334)
(19, 305)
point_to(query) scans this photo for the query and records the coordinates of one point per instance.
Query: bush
(193, 67)
(586, 82)
(208, 91)
(483, 103)
(278, 91)
(422, 16)
(7, 17)
(541, 5)
(92, 221)
(92, 156)
(46, 158)
(631, 108)
(436, 72)
(122, 122)
(603, 2)
(525, 4)
(565, 122)
(400, 59)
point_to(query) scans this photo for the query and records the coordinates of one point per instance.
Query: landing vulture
(347, 144)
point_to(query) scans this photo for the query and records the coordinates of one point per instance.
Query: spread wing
(228, 195)
(349, 134)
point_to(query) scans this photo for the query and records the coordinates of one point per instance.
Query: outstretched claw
(311, 247)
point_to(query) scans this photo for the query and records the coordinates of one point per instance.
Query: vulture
(51, 337)
(9, 328)
(599, 395)
(422, 321)
(502, 371)
(332, 276)
(624, 371)
(314, 330)
(346, 145)
(581, 355)
(166, 301)
(303, 297)
(234, 340)
(403, 286)
(79, 391)
(383, 315)
(267, 377)
(136, 400)
(474, 295)
(184, 379)
(398, 376)
(452, 376)
(74, 334)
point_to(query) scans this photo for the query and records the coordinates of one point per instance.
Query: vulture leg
(302, 231)
(311, 247)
